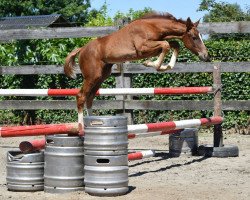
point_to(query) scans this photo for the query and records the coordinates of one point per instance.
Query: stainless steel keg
(25, 171)
(106, 155)
(64, 164)
(105, 135)
(184, 142)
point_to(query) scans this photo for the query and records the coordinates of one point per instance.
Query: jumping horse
(142, 38)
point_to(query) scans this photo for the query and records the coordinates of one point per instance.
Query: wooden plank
(77, 32)
(191, 67)
(224, 27)
(130, 68)
(49, 33)
(54, 104)
(129, 105)
(186, 105)
(32, 69)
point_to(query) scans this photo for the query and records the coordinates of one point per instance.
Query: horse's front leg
(153, 48)
(176, 47)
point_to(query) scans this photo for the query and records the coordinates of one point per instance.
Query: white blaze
(201, 38)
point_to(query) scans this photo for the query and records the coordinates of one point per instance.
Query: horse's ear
(197, 23)
(189, 24)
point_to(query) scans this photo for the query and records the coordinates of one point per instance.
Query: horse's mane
(156, 15)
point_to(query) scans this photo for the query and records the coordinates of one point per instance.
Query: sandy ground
(162, 177)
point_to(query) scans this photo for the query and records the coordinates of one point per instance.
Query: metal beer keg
(64, 164)
(106, 155)
(25, 171)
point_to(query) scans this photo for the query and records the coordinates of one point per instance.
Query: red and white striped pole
(29, 146)
(141, 155)
(108, 92)
(150, 134)
(34, 130)
(173, 125)
(72, 128)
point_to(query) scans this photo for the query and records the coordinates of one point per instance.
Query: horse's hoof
(147, 63)
(165, 68)
(80, 129)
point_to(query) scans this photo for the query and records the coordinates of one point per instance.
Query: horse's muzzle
(205, 57)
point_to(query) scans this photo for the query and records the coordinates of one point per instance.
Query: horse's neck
(173, 29)
(177, 28)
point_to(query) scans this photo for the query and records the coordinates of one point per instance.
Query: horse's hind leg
(92, 76)
(105, 74)
(81, 99)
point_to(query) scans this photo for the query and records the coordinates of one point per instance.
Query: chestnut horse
(143, 38)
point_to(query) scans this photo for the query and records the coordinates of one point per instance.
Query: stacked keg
(25, 171)
(64, 164)
(105, 155)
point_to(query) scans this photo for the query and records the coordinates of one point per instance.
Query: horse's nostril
(208, 59)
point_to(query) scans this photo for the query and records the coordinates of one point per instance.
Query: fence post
(123, 81)
(218, 135)
(218, 149)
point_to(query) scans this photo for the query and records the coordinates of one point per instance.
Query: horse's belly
(121, 56)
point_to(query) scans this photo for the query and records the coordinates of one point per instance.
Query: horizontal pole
(29, 146)
(173, 125)
(107, 92)
(72, 128)
(150, 134)
(141, 154)
(35, 130)
(33, 145)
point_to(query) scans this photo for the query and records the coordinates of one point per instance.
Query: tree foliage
(223, 12)
(73, 10)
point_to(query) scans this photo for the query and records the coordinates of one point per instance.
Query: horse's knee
(80, 99)
(165, 46)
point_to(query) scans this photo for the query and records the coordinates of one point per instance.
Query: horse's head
(193, 41)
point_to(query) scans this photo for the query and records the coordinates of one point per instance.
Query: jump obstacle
(72, 128)
(134, 130)
(108, 92)
(141, 154)
(29, 146)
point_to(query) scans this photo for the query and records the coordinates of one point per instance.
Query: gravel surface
(162, 177)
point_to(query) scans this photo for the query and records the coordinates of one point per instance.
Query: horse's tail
(70, 64)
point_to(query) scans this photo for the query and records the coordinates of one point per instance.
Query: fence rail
(130, 68)
(127, 104)
(77, 32)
